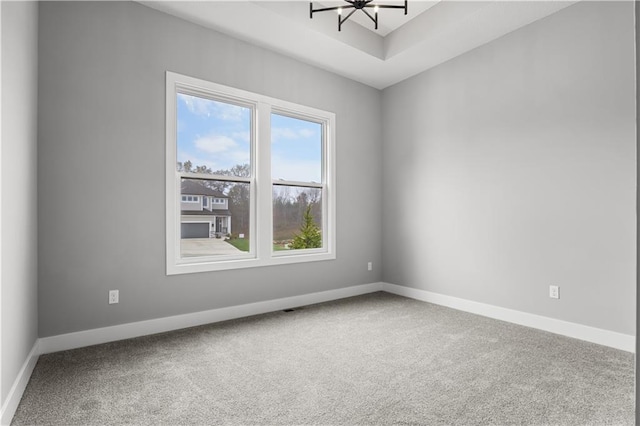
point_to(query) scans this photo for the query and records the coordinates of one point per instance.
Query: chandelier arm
(341, 21)
(375, 21)
(390, 6)
(324, 9)
(349, 15)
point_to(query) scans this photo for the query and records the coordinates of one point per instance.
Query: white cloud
(243, 136)
(215, 144)
(197, 106)
(208, 108)
(301, 171)
(218, 152)
(280, 133)
(306, 133)
(228, 111)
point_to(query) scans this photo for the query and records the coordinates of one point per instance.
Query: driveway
(194, 247)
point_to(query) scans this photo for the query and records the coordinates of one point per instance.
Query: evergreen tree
(310, 235)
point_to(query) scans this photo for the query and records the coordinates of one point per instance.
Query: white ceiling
(432, 32)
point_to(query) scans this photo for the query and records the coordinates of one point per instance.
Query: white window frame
(194, 199)
(261, 202)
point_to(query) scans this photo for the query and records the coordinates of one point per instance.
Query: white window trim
(261, 218)
(196, 200)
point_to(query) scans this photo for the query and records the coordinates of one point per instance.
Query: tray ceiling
(432, 32)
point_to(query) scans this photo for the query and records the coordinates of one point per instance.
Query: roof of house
(213, 212)
(193, 187)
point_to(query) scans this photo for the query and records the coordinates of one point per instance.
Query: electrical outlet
(370, 266)
(554, 292)
(114, 296)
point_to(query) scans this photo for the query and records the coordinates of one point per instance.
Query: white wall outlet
(114, 296)
(370, 266)
(554, 292)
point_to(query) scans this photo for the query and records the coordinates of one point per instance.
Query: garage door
(194, 230)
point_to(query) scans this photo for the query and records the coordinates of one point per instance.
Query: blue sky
(216, 134)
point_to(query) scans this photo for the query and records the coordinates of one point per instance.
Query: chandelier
(362, 5)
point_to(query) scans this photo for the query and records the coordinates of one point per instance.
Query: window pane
(297, 217)
(296, 149)
(213, 137)
(221, 230)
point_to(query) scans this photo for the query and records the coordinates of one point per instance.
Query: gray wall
(513, 167)
(101, 138)
(19, 203)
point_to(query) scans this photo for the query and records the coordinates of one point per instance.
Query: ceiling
(432, 32)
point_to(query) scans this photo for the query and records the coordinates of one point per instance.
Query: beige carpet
(374, 359)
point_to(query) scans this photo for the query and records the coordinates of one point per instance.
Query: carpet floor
(372, 359)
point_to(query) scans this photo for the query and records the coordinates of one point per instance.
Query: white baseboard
(142, 328)
(612, 339)
(10, 404)
(125, 331)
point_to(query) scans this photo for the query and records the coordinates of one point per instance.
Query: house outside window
(264, 170)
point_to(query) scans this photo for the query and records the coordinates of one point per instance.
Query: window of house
(205, 201)
(272, 160)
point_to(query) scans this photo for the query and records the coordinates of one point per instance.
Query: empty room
(341, 212)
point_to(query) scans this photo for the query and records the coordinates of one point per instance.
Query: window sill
(202, 265)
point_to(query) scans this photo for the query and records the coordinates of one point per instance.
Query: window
(267, 165)
(296, 169)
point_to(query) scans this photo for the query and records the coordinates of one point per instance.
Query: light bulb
(375, 8)
(339, 11)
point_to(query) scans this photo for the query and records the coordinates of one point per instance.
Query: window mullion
(263, 179)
